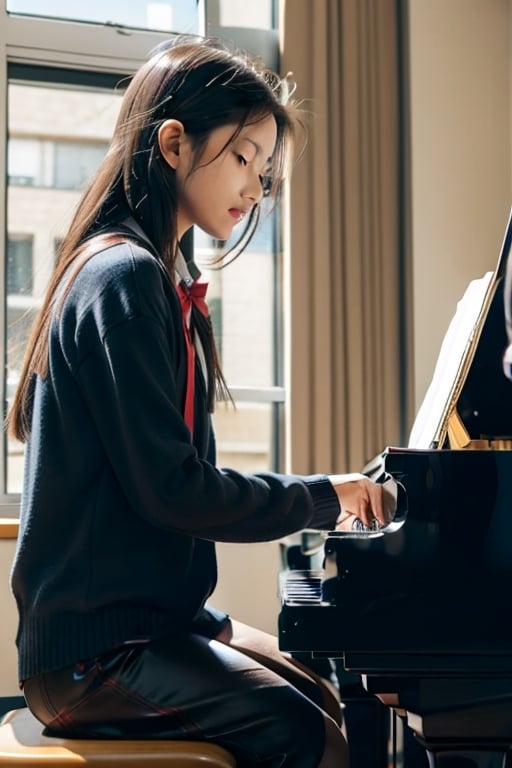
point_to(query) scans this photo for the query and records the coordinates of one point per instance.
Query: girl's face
(226, 183)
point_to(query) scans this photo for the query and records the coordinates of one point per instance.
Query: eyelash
(266, 181)
(266, 184)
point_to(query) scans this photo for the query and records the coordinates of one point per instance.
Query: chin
(218, 234)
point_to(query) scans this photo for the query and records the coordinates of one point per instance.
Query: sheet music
(457, 339)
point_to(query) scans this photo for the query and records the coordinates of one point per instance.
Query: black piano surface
(422, 612)
(421, 609)
(440, 583)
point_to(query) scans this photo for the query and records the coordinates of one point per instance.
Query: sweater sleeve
(128, 380)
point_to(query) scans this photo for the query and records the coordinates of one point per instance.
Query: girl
(122, 501)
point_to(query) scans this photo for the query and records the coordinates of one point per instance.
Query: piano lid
(469, 401)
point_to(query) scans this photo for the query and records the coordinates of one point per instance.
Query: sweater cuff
(325, 501)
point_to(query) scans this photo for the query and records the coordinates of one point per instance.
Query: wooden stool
(22, 745)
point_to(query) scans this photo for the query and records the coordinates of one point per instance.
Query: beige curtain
(343, 236)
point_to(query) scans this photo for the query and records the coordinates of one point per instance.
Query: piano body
(420, 609)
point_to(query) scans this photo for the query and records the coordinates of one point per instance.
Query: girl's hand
(374, 504)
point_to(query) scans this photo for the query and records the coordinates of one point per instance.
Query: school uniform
(121, 509)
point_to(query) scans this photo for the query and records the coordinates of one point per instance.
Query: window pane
(45, 179)
(233, 13)
(244, 297)
(75, 163)
(23, 161)
(175, 16)
(49, 160)
(19, 264)
(246, 436)
(59, 164)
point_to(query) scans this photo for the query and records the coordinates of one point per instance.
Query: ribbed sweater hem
(51, 643)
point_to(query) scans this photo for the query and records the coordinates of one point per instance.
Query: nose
(253, 189)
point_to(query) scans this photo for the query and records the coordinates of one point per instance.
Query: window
(23, 162)
(75, 163)
(179, 15)
(19, 264)
(62, 102)
(59, 110)
(248, 293)
(245, 300)
(45, 178)
(58, 164)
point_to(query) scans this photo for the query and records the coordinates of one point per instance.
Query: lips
(237, 213)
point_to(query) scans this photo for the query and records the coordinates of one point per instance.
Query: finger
(345, 522)
(368, 507)
(384, 501)
(381, 509)
(363, 506)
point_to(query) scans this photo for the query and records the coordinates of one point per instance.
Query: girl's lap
(186, 687)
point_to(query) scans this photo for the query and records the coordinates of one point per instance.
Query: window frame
(88, 52)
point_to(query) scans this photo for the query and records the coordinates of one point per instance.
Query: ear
(170, 137)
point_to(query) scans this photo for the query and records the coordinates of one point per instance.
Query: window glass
(59, 164)
(245, 297)
(233, 13)
(175, 16)
(24, 162)
(247, 294)
(45, 179)
(242, 295)
(48, 161)
(74, 163)
(19, 264)
(246, 436)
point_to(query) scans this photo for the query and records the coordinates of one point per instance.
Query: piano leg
(461, 722)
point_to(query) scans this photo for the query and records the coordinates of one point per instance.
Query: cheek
(206, 185)
(209, 181)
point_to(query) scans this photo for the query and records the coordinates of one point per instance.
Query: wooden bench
(23, 745)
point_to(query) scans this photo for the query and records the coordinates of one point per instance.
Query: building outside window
(58, 164)
(19, 264)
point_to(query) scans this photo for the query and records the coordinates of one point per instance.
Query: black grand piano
(420, 609)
